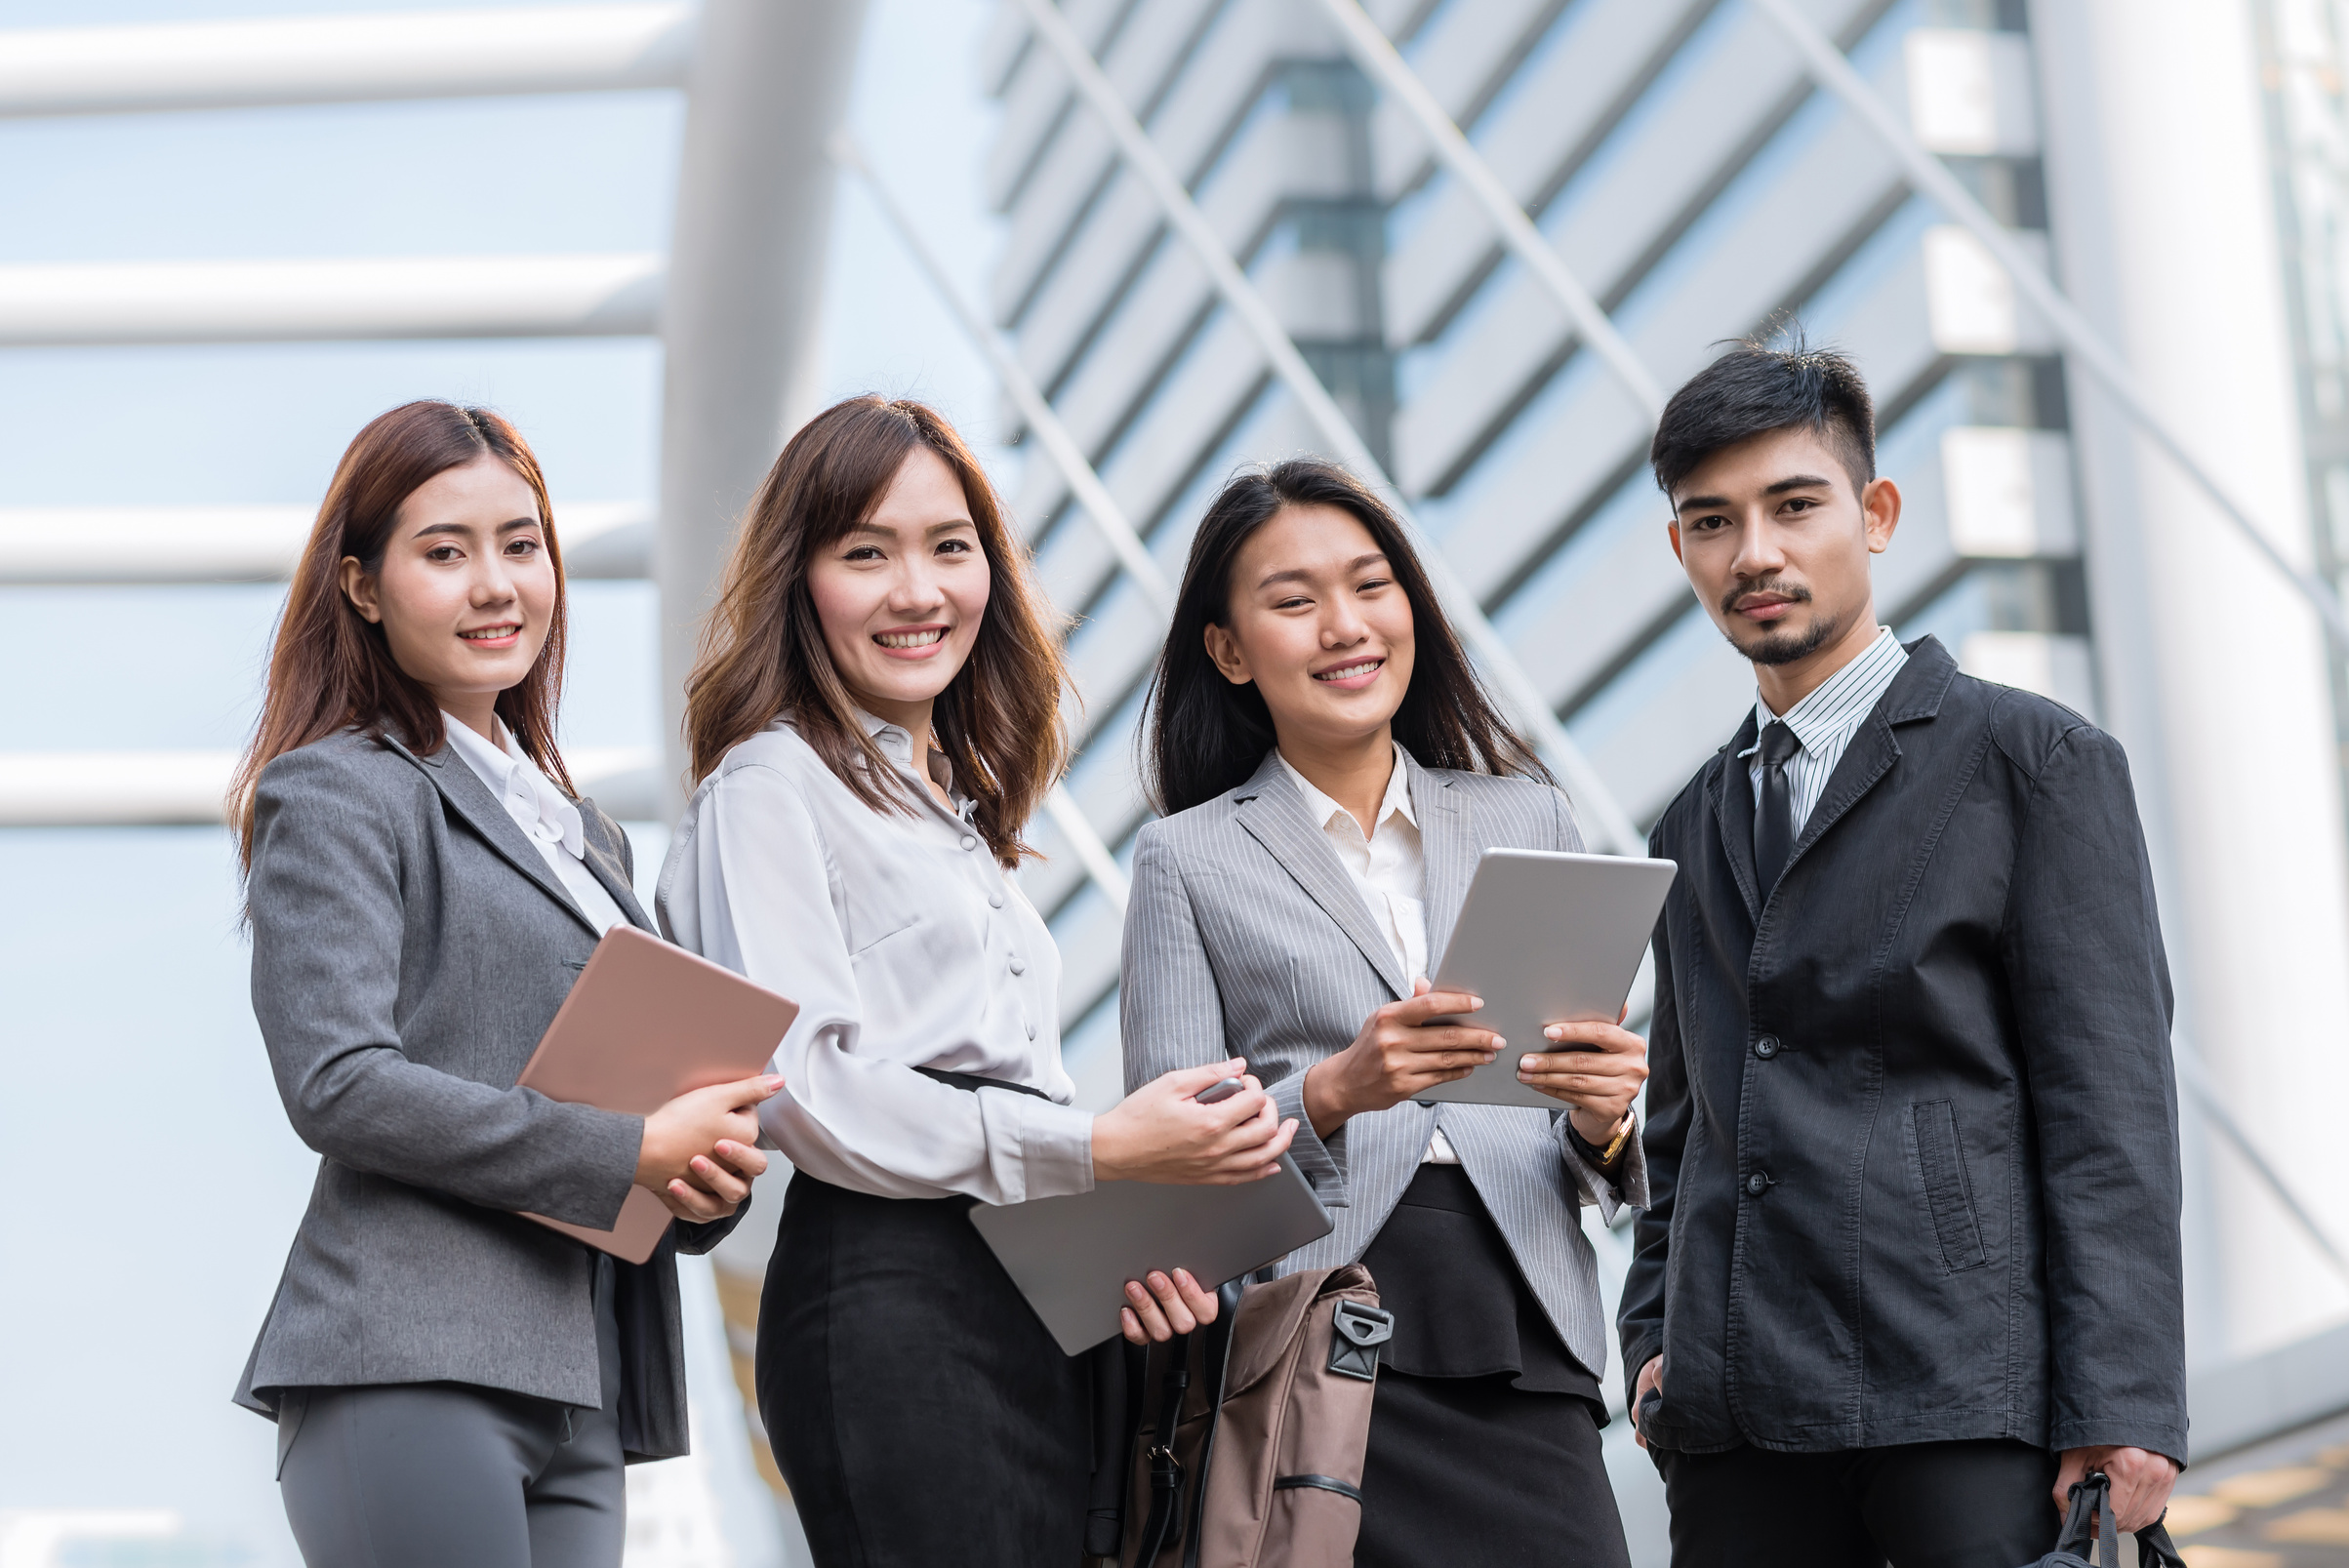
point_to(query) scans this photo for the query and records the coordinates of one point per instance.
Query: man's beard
(1781, 647)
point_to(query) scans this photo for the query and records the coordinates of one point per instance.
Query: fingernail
(1498, 1043)
(1476, 1001)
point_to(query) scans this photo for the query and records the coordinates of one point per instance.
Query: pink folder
(645, 1022)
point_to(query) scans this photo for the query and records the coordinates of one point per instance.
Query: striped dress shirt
(1825, 722)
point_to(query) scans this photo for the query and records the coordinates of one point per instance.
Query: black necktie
(1774, 821)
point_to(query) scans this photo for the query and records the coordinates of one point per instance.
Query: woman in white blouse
(874, 717)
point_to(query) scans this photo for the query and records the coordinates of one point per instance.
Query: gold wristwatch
(1613, 1151)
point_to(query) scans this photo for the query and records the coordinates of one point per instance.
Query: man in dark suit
(1913, 1264)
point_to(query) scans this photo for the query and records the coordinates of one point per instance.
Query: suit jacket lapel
(1915, 694)
(1732, 795)
(466, 795)
(1270, 808)
(604, 863)
(1447, 842)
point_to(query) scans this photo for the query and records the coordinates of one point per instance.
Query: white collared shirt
(1389, 868)
(906, 946)
(1825, 722)
(547, 815)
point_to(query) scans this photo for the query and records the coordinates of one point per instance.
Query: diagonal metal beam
(1603, 817)
(1834, 74)
(1376, 53)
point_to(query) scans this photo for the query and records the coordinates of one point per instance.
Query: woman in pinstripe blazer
(1330, 771)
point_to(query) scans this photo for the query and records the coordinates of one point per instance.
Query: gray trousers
(451, 1475)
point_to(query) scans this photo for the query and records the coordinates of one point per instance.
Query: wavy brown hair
(763, 654)
(331, 668)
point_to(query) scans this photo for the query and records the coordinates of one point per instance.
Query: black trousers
(916, 1406)
(1963, 1505)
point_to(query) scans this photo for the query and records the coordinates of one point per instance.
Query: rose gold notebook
(645, 1022)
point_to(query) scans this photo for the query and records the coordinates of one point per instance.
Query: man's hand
(1651, 1377)
(1599, 1075)
(1399, 1054)
(2141, 1481)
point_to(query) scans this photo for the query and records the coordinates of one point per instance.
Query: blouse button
(969, 842)
(1031, 1031)
(1018, 968)
(995, 901)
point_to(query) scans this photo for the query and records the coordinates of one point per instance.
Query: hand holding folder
(646, 1022)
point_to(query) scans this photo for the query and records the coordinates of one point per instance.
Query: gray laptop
(1072, 1256)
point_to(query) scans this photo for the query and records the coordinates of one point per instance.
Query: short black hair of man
(1754, 390)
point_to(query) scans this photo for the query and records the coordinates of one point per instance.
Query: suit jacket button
(1757, 1185)
(1766, 1047)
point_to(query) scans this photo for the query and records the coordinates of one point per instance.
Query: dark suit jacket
(410, 946)
(1913, 1129)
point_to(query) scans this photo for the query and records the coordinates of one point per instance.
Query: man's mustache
(1795, 592)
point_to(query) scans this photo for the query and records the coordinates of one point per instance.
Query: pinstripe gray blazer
(1246, 938)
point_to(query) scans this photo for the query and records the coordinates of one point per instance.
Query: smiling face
(466, 591)
(1775, 542)
(1316, 619)
(901, 593)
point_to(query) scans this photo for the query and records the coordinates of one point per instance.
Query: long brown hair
(1204, 735)
(331, 668)
(763, 654)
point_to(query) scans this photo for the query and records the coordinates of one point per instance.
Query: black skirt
(916, 1406)
(1484, 1431)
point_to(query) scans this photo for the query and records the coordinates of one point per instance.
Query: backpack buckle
(1359, 1331)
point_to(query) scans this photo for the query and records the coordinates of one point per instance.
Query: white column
(745, 278)
(2211, 669)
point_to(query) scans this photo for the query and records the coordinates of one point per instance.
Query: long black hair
(1204, 735)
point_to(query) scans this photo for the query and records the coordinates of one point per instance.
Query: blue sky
(148, 1183)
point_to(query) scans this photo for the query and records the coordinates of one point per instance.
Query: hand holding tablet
(1547, 938)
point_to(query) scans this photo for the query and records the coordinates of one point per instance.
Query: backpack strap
(1166, 1471)
(1215, 1360)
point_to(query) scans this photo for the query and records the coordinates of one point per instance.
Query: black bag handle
(1158, 1531)
(2091, 1500)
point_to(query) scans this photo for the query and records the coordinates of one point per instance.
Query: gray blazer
(409, 947)
(1246, 938)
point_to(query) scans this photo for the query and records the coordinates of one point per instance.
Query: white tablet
(1072, 1256)
(1545, 939)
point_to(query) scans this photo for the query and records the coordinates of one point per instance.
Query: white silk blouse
(906, 946)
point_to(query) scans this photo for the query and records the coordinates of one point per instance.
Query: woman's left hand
(1165, 1308)
(721, 1179)
(1599, 1075)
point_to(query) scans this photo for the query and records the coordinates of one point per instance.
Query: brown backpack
(1270, 1414)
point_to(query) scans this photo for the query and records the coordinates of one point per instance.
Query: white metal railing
(164, 788)
(311, 300)
(251, 543)
(340, 60)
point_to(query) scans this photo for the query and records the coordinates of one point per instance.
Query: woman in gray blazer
(451, 1383)
(1330, 770)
